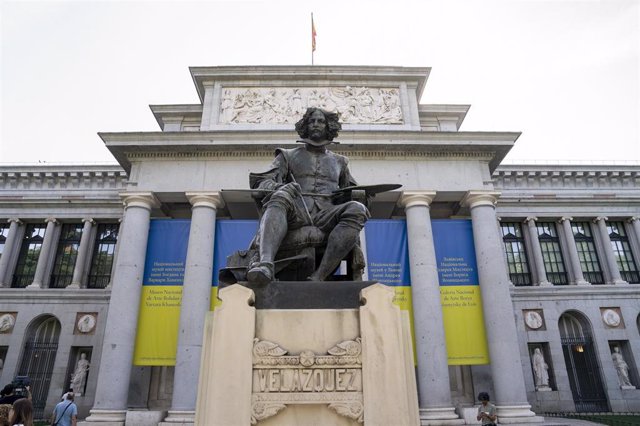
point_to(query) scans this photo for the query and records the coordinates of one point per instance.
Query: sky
(565, 73)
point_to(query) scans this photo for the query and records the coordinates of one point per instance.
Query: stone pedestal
(311, 366)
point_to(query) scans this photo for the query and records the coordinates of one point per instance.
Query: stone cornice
(573, 292)
(317, 75)
(54, 296)
(567, 177)
(61, 177)
(496, 144)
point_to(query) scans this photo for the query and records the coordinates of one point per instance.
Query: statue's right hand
(292, 188)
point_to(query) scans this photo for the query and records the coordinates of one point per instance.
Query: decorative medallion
(533, 320)
(7, 321)
(85, 323)
(611, 317)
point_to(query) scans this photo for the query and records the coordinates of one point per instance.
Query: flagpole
(313, 38)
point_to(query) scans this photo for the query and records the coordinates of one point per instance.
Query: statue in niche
(79, 376)
(540, 368)
(621, 367)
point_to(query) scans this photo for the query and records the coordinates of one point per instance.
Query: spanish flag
(313, 35)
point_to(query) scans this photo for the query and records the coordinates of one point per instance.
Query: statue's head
(314, 132)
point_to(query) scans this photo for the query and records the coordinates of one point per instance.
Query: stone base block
(627, 387)
(439, 416)
(144, 417)
(179, 418)
(517, 414)
(468, 414)
(105, 418)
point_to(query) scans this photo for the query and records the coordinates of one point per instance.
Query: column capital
(633, 219)
(14, 219)
(480, 198)
(213, 200)
(88, 219)
(530, 219)
(145, 200)
(600, 218)
(51, 219)
(416, 198)
(563, 218)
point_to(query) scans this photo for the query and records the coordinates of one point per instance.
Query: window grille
(29, 254)
(66, 255)
(516, 255)
(622, 252)
(103, 255)
(587, 253)
(551, 253)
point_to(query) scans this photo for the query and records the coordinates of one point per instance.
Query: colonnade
(48, 245)
(432, 367)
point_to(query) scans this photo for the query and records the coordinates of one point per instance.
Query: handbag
(55, 422)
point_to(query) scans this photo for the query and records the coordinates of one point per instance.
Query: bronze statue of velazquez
(300, 190)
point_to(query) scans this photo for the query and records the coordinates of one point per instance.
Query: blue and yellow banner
(388, 263)
(159, 316)
(231, 236)
(460, 292)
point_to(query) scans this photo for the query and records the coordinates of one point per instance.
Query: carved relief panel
(285, 105)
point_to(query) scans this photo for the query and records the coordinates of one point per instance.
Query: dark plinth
(308, 294)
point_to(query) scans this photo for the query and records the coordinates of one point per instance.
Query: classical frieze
(582, 178)
(42, 179)
(285, 105)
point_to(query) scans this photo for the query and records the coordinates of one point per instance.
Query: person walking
(66, 412)
(21, 413)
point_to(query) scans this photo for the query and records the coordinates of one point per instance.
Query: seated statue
(302, 204)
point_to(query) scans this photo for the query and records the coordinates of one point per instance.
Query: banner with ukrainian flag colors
(460, 292)
(231, 236)
(388, 263)
(159, 315)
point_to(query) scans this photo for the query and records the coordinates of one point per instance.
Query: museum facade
(554, 268)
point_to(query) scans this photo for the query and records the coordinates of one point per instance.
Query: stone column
(634, 221)
(196, 295)
(110, 403)
(578, 276)
(434, 390)
(45, 251)
(9, 244)
(614, 271)
(506, 368)
(83, 252)
(537, 252)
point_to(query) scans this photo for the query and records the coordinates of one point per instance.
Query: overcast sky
(565, 73)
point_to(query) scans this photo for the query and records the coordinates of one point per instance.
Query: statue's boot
(260, 273)
(341, 241)
(273, 228)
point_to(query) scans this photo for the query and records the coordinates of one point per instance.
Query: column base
(582, 282)
(105, 418)
(545, 284)
(33, 286)
(439, 416)
(620, 282)
(179, 418)
(73, 286)
(625, 387)
(517, 414)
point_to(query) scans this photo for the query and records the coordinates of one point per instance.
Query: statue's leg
(273, 228)
(349, 218)
(341, 241)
